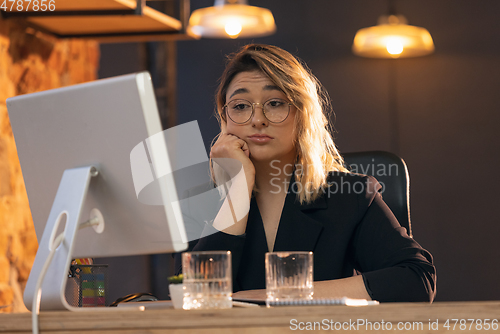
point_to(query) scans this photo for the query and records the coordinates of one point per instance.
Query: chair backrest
(392, 173)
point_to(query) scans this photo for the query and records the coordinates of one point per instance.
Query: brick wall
(29, 62)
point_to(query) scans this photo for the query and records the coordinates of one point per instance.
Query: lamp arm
(139, 7)
(391, 9)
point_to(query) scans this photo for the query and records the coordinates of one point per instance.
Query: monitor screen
(98, 124)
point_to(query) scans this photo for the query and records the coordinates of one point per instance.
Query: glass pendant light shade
(231, 19)
(392, 38)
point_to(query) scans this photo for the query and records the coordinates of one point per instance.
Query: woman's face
(266, 141)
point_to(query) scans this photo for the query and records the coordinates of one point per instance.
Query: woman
(290, 191)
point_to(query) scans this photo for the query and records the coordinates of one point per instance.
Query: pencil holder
(87, 285)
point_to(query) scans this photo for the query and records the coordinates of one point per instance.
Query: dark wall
(447, 109)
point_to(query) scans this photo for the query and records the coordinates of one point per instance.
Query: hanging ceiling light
(392, 38)
(231, 18)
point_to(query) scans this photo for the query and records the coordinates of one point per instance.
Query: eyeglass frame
(224, 109)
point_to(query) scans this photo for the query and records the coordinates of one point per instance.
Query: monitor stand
(64, 216)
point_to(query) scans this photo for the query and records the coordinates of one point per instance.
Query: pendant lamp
(392, 38)
(231, 19)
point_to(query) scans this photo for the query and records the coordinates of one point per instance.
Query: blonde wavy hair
(316, 152)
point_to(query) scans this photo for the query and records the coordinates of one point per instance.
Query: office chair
(392, 173)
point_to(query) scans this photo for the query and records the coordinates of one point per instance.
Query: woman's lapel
(297, 231)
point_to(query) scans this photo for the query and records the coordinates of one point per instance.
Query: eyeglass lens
(275, 110)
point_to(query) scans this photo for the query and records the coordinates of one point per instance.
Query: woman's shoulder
(349, 177)
(353, 183)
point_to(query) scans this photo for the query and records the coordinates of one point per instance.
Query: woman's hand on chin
(229, 146)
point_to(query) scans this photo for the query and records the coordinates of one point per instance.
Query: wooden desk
(264, 320)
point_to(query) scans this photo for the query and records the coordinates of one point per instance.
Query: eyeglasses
(241, 111)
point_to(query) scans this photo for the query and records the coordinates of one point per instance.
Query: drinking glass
(289, 276)
(207, 280)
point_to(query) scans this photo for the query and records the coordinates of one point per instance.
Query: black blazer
(350, 230)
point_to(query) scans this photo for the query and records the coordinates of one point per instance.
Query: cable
(91, 222)
(35, 309)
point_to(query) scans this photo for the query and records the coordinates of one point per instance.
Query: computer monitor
(74, 145)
